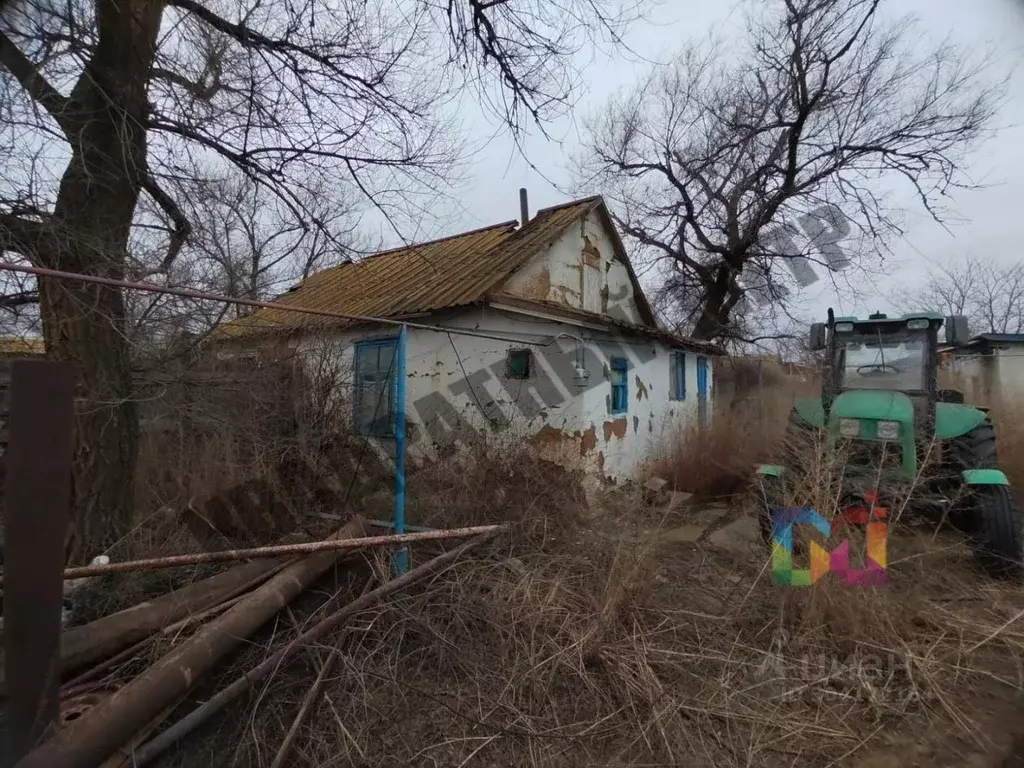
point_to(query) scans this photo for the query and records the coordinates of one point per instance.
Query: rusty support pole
(307, 548)
(36, 517)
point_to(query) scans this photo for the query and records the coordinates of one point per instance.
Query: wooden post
(35, 527)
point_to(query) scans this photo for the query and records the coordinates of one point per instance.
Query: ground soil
(725, 533)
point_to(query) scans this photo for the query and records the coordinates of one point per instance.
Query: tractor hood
(876, 405)
(858, 404)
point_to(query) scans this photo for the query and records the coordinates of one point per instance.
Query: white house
(537, 331)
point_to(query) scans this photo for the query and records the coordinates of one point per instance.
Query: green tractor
(901, 436)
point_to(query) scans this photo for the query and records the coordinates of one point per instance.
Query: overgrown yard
(640, 630)
(602, 638)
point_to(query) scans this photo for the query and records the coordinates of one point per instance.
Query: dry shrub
(718, 461)
(500, 480)
(210, 426)
(752, 404)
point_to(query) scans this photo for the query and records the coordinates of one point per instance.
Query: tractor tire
(767, 494)
(977, 448)
(997, 537)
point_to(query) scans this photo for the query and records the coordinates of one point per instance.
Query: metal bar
(36, 521)
(401, 553)
(328, 545)
(389, 524)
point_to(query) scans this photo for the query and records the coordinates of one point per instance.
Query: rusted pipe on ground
(92, 738)
(305, 548)
(103, 638)
(266, 668)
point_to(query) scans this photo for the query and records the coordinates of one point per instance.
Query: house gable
(584, 268)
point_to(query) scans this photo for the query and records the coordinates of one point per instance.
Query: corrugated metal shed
(440, 274)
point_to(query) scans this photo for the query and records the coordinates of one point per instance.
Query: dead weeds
(565, 644)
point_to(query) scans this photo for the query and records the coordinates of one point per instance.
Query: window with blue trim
(677, 376)
(620, 384)
(374, 390)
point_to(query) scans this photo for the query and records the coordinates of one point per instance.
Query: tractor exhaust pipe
(829, 373)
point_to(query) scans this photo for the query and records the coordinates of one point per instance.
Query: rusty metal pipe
(305, 548)
(267, 667)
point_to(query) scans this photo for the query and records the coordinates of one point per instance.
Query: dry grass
(718, 462)
(594, 640)
(590, 637)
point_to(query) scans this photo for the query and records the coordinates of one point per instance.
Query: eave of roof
(561, 311)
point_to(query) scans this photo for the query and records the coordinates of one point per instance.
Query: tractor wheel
(976, 449)
(997, 532)
(767, 494)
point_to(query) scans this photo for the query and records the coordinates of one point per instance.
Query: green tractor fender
(984, 477)
(953, 419)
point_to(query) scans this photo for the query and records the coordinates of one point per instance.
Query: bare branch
(181, 227)
(26, 73)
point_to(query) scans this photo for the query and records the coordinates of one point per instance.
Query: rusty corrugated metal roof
(13, 346)
(450, 272)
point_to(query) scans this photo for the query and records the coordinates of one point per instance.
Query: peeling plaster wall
(651, 416)
(578, 270)
(449, 402)
(469, 386)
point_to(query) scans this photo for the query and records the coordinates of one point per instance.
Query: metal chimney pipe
(524, 207)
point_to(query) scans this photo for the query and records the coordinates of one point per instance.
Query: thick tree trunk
(92, 219)
(719, 300)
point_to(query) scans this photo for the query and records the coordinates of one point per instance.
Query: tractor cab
(879, 385)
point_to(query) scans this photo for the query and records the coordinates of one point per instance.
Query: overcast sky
(992, 217)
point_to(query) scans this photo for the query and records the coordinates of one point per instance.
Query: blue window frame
(373, 401)
(620, 384)
(677, 376)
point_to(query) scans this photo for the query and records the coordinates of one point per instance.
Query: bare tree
(989, 294)
(713, 163)
(245, 244)
(104, 102)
